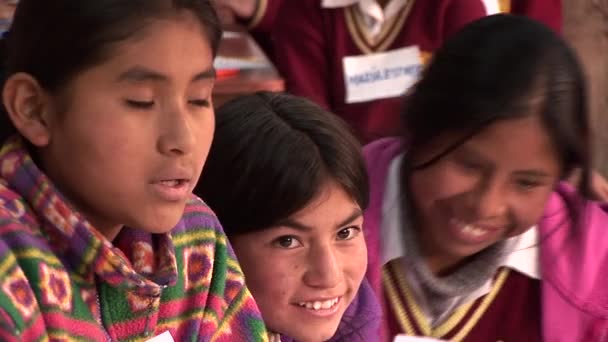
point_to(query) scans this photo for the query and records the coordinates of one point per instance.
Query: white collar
(524, 257)
(492, 6)
(372, 12)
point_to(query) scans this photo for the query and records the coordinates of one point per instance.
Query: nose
(323, 267)
(176, 132)
(489, 199)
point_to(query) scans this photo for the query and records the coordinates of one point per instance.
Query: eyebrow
(299, 226)
(533, 173)
(143, 74)
(528, 172)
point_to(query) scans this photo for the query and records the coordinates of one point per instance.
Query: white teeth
(469, 228)
(318, 305)
(327, 304)
(475, 231)
(170, 183)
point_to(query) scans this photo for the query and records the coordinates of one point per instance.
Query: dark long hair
(490, 71)
(271, 155)
(55, 40)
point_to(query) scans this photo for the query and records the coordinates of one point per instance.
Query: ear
(26, 103)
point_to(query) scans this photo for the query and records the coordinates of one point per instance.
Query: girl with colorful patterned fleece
(287, 180)
(108, 121)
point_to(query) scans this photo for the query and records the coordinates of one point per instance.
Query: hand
(244, 9)
(7, 8)
(599, 184)
(599, 187)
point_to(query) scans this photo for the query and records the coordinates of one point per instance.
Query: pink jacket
(574, 261)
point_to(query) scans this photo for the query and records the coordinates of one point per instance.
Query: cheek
(528, 209)
(437, 183)
(354, 259)
(268, 284)
(108, 131)
(204, 128)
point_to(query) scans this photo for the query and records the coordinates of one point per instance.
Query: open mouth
(172, 189)
(174, 183)
(472, 232)
(320, 305)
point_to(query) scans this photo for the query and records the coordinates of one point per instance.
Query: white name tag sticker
(381, 75)
(164, 337)
(404, 338)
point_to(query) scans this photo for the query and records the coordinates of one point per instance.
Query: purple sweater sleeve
(361, 320)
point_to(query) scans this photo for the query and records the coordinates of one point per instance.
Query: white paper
(381, 75)
(492, 6)
(164, 337)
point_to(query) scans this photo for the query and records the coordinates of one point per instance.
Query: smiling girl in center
(288, 182)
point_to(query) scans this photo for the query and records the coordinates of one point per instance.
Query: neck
(441, 265)
(383, 3)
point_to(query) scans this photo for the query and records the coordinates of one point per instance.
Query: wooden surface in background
(242, 46)
(586, 29)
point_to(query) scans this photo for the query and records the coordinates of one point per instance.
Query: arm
(255, 14)
(263, 19)
(458, 13)
(258, 16)
(301, 50)
(262, 24)
(548, 12)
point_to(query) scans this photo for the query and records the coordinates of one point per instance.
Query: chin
(313, 334)
(464, 252)
(163, 221)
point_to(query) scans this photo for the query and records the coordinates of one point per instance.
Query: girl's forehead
(516, 142)
(512, 143)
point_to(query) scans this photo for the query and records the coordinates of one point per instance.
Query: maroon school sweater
(311, 42)
(548, 12)
(262, 25)
(509, 312)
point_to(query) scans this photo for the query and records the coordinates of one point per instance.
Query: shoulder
(379, 153)
(198, 215)
(12, 206)
(306, 11)
(574, 248)
(441, 6)
(362, 317)
(200, 230)
(19, 227)
(199, 233)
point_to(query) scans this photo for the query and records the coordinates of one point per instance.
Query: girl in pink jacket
(471, 235)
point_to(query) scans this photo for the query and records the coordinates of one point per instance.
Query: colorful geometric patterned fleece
(60, 278)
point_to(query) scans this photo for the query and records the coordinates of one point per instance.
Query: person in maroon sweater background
(313, 41)
(308, 40)
(258, 16)
(548, 12)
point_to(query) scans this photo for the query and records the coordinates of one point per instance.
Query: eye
(348, 233)
(287, 242)
(527, 184)
(468, 165)
(200, 103)
(139, 104)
